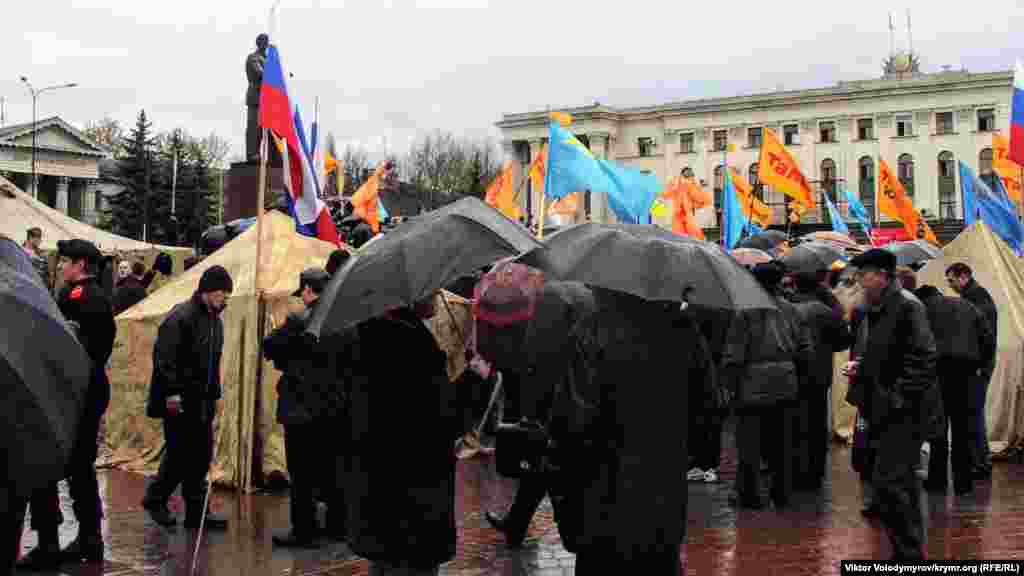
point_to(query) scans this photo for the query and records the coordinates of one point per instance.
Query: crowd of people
(561, 353)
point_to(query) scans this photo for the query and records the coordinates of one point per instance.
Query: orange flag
(364, 201)
(1008, 170)
(778, 169)
(893, 202)
(500, 194)
(755, 210)
(537, 170)
(568, 205)
(686, 196)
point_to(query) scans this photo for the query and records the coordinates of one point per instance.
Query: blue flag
(382, 212)
(632, 194)
(838, 224)
(992, 208)
(858, 211)
(733, 220)
(571, 167)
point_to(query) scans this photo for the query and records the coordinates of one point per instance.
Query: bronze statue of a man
(254, 73)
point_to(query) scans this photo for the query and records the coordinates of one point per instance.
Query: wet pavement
(811, 537)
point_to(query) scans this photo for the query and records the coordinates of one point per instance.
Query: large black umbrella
(649, 262)
(812, 256)
(416, 259)
(44, 374)
(766, 240)
(913, 252)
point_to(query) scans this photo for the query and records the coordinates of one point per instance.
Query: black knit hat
(78, 248)
(215, 278)
(769, 274)
(876, 258)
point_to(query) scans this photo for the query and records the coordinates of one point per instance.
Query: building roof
(9, 135)
(851, 90)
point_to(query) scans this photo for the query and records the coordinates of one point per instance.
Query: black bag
(520, 448)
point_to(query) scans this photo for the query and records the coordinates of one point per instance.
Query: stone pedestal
(241, 189)
(62, 195)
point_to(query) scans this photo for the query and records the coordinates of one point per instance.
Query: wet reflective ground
(810, 538)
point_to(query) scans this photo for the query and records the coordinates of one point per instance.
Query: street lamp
(35, 96)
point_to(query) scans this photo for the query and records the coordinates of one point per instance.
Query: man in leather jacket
(894, 386)
(184, 393)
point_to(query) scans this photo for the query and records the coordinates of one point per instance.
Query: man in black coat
(830, 333)
(184, 393)
(961, 278)
(767, 358)
(894, 386)
(400, 510)
(306, 407)
(962, 338)
(82, 301)
(130, 289)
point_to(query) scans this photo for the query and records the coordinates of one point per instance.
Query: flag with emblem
(1008, 170)
(778, 169)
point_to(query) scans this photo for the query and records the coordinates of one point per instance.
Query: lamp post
(35, 96)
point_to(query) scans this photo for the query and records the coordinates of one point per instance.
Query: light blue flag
(633, 192)
(571, 167)
(838, 224)
(858, 211)
(733, 220)
(382, 212)
(992, 208)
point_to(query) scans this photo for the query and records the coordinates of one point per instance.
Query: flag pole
(260, 194)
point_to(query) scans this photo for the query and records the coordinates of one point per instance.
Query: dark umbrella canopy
(418, 258)
(44, 373)
(651, 263)
(767, 240)
(812, 256)
(913, 252)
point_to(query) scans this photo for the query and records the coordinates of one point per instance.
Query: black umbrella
(44, 373)
(913, 252)
(416, 259)
(766, 240)
(812, 256)
(649, 262)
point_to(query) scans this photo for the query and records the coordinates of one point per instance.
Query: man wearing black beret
(893, 384)
(84, 302)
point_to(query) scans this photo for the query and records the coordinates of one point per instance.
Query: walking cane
(487, 413)
(202, 524)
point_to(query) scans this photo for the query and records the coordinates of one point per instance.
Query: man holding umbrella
(84, 302)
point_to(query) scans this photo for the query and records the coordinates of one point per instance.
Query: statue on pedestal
(254, 73)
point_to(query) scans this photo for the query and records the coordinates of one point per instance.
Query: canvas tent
(998, 270)
(19, 211)
(246, 429)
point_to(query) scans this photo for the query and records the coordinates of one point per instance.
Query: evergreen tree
(126, 213)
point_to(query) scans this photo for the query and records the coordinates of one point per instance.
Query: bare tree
(446, 168)
(215, 148)
(109, 134)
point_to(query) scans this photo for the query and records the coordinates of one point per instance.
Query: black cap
(336, 260)
(215, 278)
(876, 258)
(77, 248)
(315, 278)
(769, 274)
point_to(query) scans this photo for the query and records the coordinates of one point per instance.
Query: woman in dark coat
(400, 468)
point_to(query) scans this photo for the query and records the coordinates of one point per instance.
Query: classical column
(33, 186)
(62, 194)
(534, 206)
(599, 200)
(510, 149)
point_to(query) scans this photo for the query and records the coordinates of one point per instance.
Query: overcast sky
(386, 71)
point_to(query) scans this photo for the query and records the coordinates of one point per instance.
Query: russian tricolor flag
(312, 217)
(1017, 117)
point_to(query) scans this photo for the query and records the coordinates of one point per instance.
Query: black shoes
(79, 551)
(159, 513)
(214, 521)
(39, 560)
(49, 559)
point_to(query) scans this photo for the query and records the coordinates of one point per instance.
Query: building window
(721, 138)
(865, 129)
(828, 131)
(905, 173)
(645, 146)
(947, 186)
(791, 134)
(943, 122)
(985, 167)
(986, 120)
(687, 172)
(719, 183)
(866, 166)
(755, 182)
(904, 125)
(686, 143)
(754, 138)
(828, 184)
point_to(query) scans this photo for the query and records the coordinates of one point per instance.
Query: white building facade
(920, 124)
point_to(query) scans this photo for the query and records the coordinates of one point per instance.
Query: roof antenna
(910, 34)
(892, 38)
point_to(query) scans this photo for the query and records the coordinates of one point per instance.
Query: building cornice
(842, 92)
(45, 148)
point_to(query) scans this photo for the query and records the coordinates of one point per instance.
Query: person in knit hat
(184, 393)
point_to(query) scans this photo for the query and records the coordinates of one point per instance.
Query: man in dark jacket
(830, 333)
(130, 289)
(766, 359)
(304, 407)
(184, 392)
(400, 511)
(962, 339)
(894, 386)
(961, 278)
(706, 419)
(81, 301)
